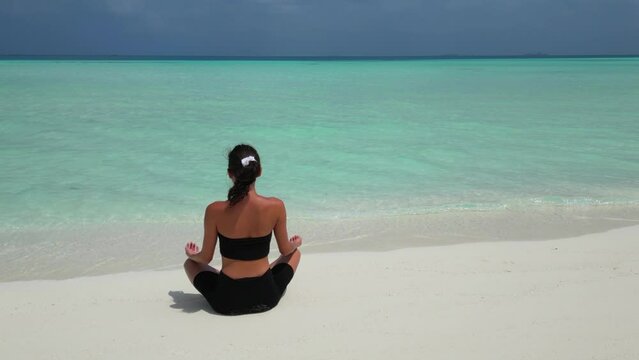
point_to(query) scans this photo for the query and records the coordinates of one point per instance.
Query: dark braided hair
(244, 175)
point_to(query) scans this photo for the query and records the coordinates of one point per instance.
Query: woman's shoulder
(217, 206)
(272, 201)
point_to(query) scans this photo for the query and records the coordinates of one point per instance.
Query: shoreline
(569, 298)
(117, 248)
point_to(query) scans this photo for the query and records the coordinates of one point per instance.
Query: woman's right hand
(296, 240)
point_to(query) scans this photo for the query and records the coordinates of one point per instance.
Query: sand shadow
(190, 303)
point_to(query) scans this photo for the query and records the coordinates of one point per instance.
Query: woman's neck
(251, 190)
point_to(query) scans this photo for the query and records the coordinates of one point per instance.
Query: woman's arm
(284, 244)
(208, 243)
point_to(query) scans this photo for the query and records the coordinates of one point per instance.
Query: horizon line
(303, 57)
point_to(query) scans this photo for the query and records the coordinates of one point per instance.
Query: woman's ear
(259, 173)
(230, 175)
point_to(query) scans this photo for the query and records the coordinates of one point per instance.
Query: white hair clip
(247, 160)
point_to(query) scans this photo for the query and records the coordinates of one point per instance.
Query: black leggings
(246, 295)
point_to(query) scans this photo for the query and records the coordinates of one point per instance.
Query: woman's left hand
(191, 249)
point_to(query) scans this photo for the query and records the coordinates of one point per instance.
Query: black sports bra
(246, 248)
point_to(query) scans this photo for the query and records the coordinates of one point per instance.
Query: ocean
(108, 164)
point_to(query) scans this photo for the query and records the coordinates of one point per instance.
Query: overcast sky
(318, 27)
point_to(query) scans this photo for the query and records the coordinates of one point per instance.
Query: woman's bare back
(254, 217)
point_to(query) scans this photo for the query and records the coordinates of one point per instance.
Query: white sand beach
(572, 298)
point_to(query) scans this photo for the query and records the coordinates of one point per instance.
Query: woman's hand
(191, 249)
(296, 240)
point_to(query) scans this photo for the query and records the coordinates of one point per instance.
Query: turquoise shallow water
(95, 143)
(112, 141)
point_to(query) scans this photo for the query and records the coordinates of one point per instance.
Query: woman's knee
(294, 261)
(189, 264)
(191, 268)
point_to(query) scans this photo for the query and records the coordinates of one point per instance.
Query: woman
(247, 283)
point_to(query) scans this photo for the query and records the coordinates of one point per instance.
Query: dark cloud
(318, 27)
